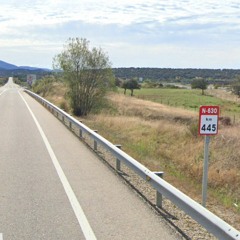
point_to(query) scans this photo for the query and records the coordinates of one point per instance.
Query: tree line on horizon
(177, 74)
(155, 74)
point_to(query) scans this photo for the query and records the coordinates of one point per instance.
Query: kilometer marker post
(208, 125)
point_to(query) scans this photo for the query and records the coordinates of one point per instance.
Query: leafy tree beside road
(199, 83)
(87, 73)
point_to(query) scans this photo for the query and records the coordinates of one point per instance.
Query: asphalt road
(53, 187)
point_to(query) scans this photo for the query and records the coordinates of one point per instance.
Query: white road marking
(82, 219)
(0, 95)
(1, 236)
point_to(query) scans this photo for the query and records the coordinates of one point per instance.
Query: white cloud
(153, 28)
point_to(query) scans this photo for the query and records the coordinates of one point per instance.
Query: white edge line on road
(82, 219)
(0, 95)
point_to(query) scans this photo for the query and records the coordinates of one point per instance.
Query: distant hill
(7, 66)
(32, 68)
(8, 69)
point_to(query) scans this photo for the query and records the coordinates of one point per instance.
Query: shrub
(226, 121)
(64, 106)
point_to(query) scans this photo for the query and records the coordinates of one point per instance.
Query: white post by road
(205, 171)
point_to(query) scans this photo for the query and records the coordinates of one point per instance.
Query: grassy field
(189, 99)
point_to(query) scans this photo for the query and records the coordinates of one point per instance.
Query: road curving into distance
(53, 187)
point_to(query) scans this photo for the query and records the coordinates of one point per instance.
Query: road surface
(53, 187)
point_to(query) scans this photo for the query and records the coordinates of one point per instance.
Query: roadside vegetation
(158, 127)
(3, 81)
(45, 85)
(165, 139)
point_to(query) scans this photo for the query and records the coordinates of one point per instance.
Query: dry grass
(159, 137)
(129, 106)
(223, 94)
(57, 95)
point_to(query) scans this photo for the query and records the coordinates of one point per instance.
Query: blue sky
(134, 33)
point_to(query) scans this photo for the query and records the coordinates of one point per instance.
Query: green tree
(130, 84)
(199, 83)
(87, 72)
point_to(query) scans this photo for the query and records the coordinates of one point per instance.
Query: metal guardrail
(207, 219)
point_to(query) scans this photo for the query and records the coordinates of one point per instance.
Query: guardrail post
(95, 142)
(158, 194)
(118, 162)
(80, 133)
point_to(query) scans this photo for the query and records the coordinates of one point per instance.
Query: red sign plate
(208, 120)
